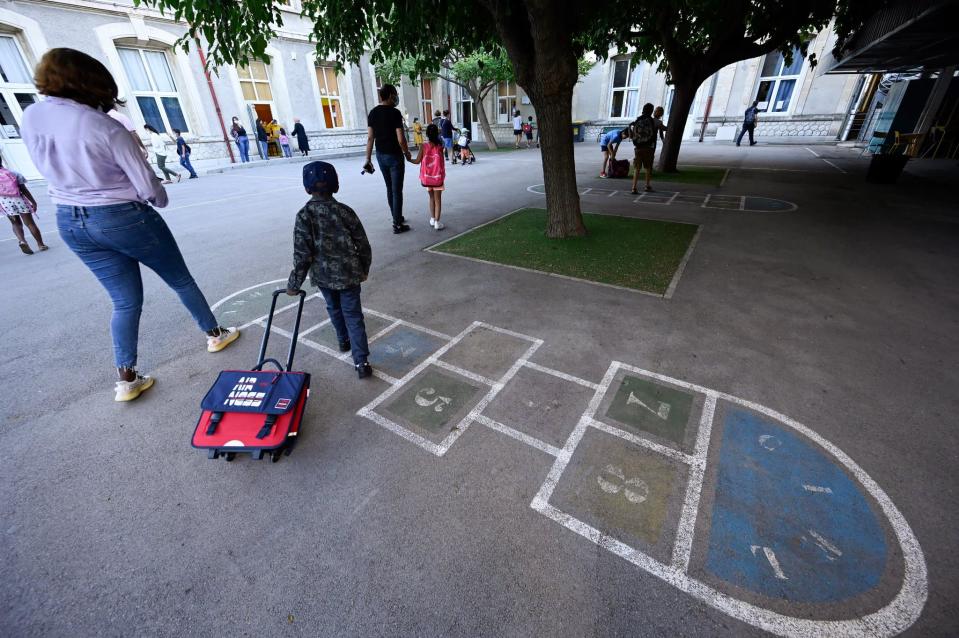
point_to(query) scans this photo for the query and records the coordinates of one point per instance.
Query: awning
(903, 37)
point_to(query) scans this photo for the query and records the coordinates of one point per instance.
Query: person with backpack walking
(183, 150)
(643, 132)
(19, 205)
(528, 130)
(159, 152)
(433, 173)
(749, 123)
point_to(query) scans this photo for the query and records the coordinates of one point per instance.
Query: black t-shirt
(384, 120)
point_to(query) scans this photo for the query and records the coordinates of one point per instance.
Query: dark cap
(320, 172)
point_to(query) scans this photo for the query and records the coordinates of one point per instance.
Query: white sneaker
(129, 390)
(432, 222)
(228, 336)
(439, 226)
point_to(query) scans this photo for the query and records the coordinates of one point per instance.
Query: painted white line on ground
(278, 311)
(561, 375)
(466, 232)
(465, 373)
(705, 201)
(668, 452)
(509, 333)
(170, 209)
(890, 620)
(834, 166)
(812, 151)
(413, 326)
(247, 289)
(463, 425)
(687, 521)
(516, 434)
(541, 500)
(303, 333)
(385, 330)
(722, 182)
(674, 282)
(367, 411)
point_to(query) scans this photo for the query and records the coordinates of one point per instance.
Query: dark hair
(151, 129)
(387, 91)
(416, 119)
(626, 132)
(177, 131)
(647, 108)
(446, 112)
(530, 118)
(70, 74)
(282, 131)
(433, 134)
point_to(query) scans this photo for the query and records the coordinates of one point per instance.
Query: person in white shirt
(159, 151)
(517, 127)
(128, 125)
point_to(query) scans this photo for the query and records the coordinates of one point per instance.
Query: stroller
(462, 143)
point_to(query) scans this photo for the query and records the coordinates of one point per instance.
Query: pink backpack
(433, 166)
(9, 186)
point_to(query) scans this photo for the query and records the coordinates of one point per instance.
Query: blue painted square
(788, 523)
(402, 349)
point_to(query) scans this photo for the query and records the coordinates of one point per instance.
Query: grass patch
(635, 253)
(687, 175)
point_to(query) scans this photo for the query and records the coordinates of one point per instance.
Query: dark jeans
(746, 127)
(346, 315)
(394, 169)
(112, 241)
(185, 163)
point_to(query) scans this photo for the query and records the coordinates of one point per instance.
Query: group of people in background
(270, 134)
(521, 129)
(644, 132)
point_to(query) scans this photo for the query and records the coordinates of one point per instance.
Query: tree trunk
(484, 121)
(564, 216)
(685, 94)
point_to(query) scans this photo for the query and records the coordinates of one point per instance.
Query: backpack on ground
(9, 186)
(643, 130)
(433, 166)
(619, 168)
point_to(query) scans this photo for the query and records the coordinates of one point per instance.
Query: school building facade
(169, 88)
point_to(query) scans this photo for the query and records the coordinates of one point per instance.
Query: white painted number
(428, 398)
(662, 410)
(831, 551)
(406, 352)
(769, 442)
(635, 489)
(817, 488)
(771, 557)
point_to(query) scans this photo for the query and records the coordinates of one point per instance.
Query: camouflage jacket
(329, 242)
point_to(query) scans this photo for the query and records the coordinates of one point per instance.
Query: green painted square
(645, 406)
(620, 489)
(433, 400)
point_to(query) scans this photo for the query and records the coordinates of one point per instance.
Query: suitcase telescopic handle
(261, 360)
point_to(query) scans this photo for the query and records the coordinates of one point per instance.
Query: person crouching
(330, 244)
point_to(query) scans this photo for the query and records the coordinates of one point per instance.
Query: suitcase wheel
(288, 450)
(230, 456)
(257, 455)
(275, 456)
(213, 454)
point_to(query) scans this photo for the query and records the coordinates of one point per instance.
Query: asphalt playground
(767, 450)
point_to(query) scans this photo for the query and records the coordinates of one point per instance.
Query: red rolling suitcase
(619, 168)
(255, 411)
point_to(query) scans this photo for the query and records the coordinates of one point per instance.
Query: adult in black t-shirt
(385, 128)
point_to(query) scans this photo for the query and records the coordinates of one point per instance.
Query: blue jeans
(185, 163)
(264, 149)
(112, 241)
(243, 144)
(394, 169)
(346, 315)
(746, 127)
(286, 150)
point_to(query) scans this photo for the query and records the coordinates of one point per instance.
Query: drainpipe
(216, 102)
(709, 105)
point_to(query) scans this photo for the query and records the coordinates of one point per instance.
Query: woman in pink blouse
(105, 193)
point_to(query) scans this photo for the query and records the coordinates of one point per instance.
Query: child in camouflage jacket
(330, 244)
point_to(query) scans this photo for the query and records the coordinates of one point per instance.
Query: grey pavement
(841, 315)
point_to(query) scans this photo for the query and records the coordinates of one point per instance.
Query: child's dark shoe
(400, 228)
(363, 370)
(345, 346)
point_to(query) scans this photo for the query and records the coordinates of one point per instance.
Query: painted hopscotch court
(727, 500)
(746, 203)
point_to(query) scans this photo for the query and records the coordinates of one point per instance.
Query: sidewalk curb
(282, 160)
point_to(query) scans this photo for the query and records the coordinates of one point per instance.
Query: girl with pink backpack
(18, 204)
(433, 172)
